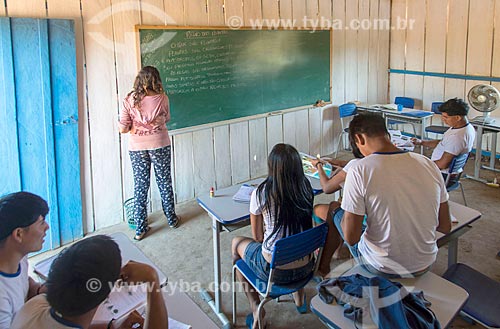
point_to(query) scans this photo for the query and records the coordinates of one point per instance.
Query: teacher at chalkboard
(144, 115)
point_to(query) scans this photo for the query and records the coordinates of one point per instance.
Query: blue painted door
(39, 119)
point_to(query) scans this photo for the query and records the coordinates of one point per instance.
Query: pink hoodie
(148, 130)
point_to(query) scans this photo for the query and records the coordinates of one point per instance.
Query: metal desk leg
(422, 133)
(479, 151)
(492, 154)
(452, 251)
(422, 130)
(216, 307)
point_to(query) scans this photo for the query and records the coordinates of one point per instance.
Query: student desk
(480, 130)
(464, 216)
(181, 308)
(447, 299)
(410, 116)
(229, 215)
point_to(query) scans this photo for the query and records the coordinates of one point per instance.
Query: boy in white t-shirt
(403, 197)
(459, 139)
(22, 230)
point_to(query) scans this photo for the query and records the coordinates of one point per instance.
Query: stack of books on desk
(393, 107)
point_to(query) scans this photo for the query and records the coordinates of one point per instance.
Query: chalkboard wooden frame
(205, 115)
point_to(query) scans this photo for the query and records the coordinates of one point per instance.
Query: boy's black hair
(454, 106)
(20, 209)
(370, 124)
(82, 276)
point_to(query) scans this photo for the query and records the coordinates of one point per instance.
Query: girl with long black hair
(281, 206)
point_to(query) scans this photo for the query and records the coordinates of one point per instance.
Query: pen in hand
(318, 157)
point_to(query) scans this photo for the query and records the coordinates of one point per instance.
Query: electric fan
(486, 99)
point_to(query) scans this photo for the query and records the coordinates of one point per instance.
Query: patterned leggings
(141, 165)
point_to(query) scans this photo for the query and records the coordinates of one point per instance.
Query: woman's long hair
(147, 79)
(286, 192)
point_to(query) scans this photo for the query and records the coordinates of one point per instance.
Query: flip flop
(139, 237)
(175, 223)
(317, 278)
(303, 308)
(249, 321)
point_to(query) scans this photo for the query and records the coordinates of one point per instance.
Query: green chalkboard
(215, 75)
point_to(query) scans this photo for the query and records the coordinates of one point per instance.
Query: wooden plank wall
(450, 36)
(216, 156)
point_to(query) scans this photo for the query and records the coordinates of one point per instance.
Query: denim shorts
(259, 265)
(337, 216)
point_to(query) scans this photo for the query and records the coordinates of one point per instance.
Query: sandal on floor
(249, 321)
(317, 278)
(175, 223)
(303, 308)
(139, 237)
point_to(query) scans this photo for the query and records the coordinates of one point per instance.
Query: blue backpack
(387, 303)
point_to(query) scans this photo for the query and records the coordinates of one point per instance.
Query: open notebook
(310, 170)
(125, 299)
(244, 193)
(393, 107)
(401, 141)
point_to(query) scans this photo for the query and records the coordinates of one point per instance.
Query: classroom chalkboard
(212, 75)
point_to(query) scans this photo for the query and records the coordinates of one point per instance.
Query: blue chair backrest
(458, 163)
(407, 102)
(435, 107)
(346, 110)
(300, 245)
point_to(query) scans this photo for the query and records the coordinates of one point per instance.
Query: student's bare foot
(342, 252)
(322, 272)
(255, 323)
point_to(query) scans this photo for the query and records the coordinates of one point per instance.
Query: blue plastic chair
(408, 103)
(345, 110)
(452, 180)
(435, 128)
(286, 250)
(484, 294)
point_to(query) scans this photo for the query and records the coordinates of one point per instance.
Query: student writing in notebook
(403, 211)
(80, 279)
(22, 230)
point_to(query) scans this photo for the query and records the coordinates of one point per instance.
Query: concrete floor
(185, 254)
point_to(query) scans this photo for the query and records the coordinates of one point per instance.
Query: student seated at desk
(322, 212)
(281, 206)
(403, 197)
(22, 230)
(71, 301)
(459, 139)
